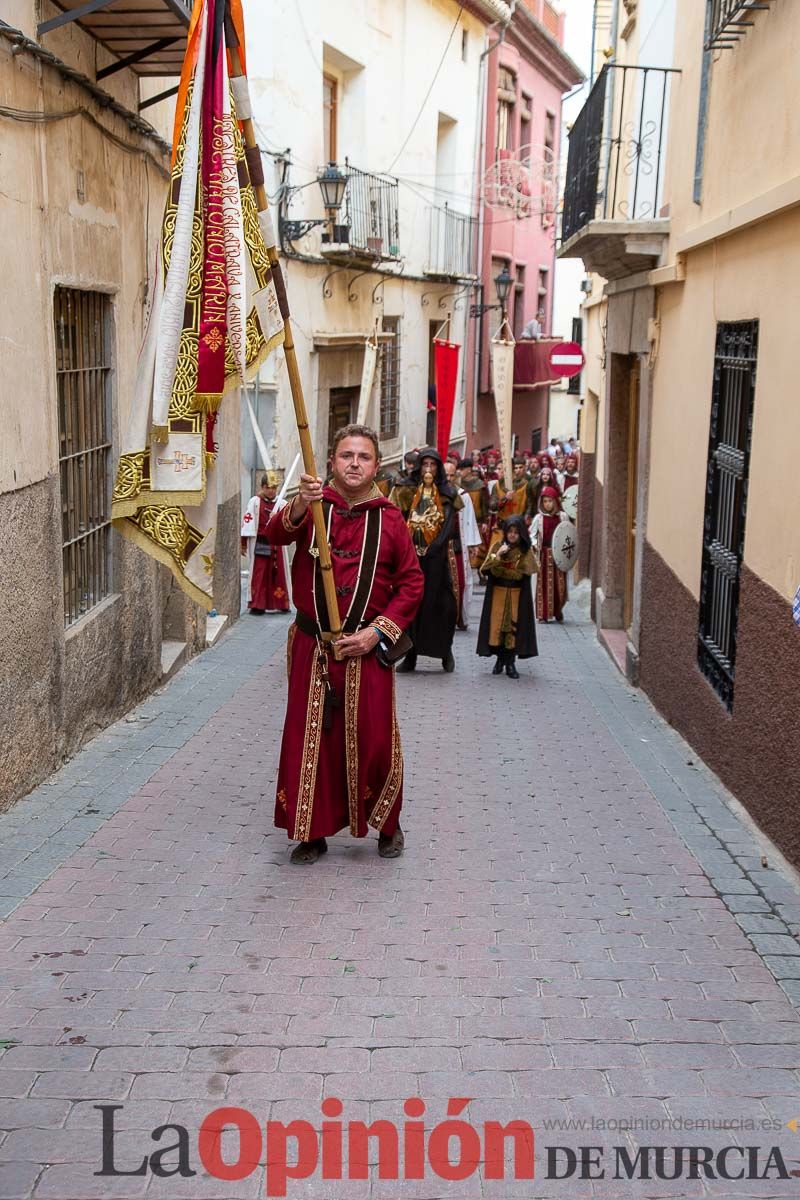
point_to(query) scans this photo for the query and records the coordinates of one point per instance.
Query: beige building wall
(753, 275)
(752, 144)
(737, 253)
(81, 201)
(741, 251)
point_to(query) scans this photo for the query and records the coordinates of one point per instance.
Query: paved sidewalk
(581, 928)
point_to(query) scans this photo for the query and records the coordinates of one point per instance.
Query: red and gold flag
(445, 363)
(213, 319)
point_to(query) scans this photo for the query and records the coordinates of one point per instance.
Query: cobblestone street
(582, 927)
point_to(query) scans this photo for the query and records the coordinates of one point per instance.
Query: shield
(565, 546)
(569, 503)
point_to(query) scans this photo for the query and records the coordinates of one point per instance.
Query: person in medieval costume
(491, 471)
(551, 584)
(268, 588)
(516, 500)
(547, 478)
(450, 473)
(569, 477)
(385, 480)
(466, 545)
(432, 524)
(405, 483)
(341, 765)
(508, 626)
(472, 486)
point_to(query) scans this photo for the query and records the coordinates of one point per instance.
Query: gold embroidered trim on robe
(387, 626)
(310, 760)
(394, 780)
(352, 690)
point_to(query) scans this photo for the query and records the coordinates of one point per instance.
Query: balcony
(532, 363)
(148, 36)
(729, 21)
(452, 245)
(615, 172)
(369, 231)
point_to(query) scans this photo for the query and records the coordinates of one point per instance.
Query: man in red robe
(269, 592)
(341, 763)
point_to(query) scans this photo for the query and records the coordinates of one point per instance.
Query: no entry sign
(566, 359)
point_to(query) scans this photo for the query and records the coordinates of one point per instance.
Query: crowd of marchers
(470, 529)
(402, 565)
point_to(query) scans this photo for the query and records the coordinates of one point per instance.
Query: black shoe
(511, 670)
(408, 664)
(449, 663)
(497, 669)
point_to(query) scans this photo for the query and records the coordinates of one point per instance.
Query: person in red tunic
(456, 548)
(269, 592)
(551, 584)
(570, 475)
(341, 763)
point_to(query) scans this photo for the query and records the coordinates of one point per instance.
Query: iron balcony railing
(729, 21)
(451, 244)
(615, 165)
(372, 213)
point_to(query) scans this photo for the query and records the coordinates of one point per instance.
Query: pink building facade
(528, 73)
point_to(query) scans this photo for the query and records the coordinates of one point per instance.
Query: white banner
(367, 380)
(503, 386)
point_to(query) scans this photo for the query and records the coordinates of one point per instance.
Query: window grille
(726, 502)
(729, 20)
(390, 380)
(83, 372)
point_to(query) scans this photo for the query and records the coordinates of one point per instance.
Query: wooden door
(343, 405)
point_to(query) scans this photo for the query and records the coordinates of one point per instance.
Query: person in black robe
(432, 523)
(508, 624)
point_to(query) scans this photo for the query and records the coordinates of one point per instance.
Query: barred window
(726, 502)
(83, 370)
(390, 380)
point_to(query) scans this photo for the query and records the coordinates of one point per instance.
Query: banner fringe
(135, 535)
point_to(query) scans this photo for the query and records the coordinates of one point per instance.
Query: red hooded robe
(351, 773)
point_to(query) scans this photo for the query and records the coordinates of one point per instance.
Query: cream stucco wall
(78, 210)
(752, 142)
(594, 376)
(752, 146)
(753, 275)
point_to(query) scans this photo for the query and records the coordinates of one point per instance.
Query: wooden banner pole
(295, 381)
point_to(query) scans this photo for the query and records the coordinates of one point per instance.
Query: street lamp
(333, 185)
(502, 286)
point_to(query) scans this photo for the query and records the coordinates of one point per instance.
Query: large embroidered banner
(503, 387)
(213, 320)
